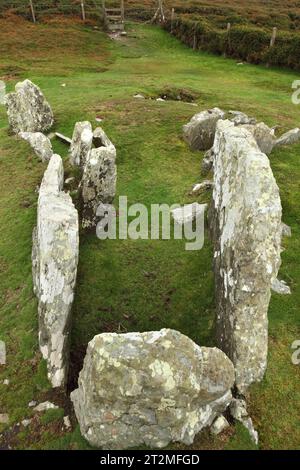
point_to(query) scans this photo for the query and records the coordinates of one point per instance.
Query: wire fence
(35, 9)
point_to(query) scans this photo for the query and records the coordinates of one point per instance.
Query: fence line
(32, 11)
(84, 7)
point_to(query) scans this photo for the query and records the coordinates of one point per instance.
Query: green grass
(143, 285)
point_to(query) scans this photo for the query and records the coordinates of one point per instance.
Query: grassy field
(143, 285)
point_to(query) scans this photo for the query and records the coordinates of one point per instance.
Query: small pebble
(32, 403)
(67, 422)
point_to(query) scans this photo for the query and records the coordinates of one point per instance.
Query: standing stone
(199, 133)
(246, 226)
(98, 184)
(149, 389)
(54, 266)
(264, 136)
(27, 109)
(81, 143)
(40, 144)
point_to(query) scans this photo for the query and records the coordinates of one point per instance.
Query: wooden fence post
(195, 41)
(228, 38)
(122, 11)
(104, 14)
(273, 38)
(82, 10)
(172, 19)
(162, 14)
(32, 11)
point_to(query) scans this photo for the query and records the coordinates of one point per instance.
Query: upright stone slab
(27, 109)
(81, 144)
(149, 389)
(264, 136)
(39, 143)
(54, 266)
(98, 184)
(246, 226)
(199, 133)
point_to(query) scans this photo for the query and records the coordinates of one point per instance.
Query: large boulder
(54, 266)
(27, 109)
(199, 133)
(246, 227)
(81, 144)
(39, 143)
(98, 184)
(149, 389)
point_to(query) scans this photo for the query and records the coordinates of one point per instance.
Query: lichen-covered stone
(98, 184)
(280, 287)
(54, 267)
(199, 133)
(286, 230)
(81, 144)
(246, 227)
(207, 162)
(264, 136)
(27, 109)
(219, 425)
(238, 118)
(238, 410)
(199, 188)
(149, 389)
(39, 143)
(290, 137)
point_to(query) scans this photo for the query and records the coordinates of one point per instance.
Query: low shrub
(242, 42)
